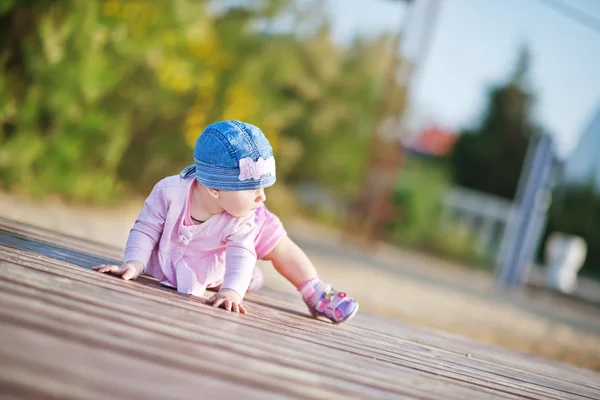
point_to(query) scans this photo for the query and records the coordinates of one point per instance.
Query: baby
(206, 227)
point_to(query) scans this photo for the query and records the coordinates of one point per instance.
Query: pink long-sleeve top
(186, 256)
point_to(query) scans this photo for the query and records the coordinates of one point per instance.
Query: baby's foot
(323, 300)
(257, 280)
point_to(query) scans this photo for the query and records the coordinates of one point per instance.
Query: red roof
(434, 141)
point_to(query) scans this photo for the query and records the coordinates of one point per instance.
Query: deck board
(75, 333)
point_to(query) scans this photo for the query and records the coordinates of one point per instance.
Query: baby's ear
(214, 193)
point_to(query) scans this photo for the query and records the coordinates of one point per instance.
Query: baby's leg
(322, 300)
(273, 244)
(291, 262)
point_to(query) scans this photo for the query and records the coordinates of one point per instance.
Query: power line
(573, 14)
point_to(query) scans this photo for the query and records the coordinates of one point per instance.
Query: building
(432, 142)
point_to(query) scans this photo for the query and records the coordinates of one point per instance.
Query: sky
(475, 45)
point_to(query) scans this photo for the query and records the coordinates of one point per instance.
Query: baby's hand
(228, 299)
(127, 271)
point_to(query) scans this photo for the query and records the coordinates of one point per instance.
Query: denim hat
(232, 155)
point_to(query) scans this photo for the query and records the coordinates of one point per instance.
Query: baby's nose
(262, 197)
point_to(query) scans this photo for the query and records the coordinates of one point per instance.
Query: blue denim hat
(232, 155)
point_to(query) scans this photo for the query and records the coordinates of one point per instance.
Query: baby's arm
(143, 237)
(240, 260)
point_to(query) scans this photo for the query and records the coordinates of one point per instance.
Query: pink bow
(255, 169)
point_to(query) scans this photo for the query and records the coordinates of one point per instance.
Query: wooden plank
(298, 357)
(38, 364)
(474, 345)
(128, 284)
(499, 359)
(66, 241)
(53, 251)
(276, 348)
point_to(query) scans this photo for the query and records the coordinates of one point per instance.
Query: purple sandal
(324, 301)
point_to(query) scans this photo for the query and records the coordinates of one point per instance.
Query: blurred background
(438, 159)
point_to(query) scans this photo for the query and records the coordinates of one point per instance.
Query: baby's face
(240, 203)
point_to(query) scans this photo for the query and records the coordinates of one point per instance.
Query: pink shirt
(187, 256)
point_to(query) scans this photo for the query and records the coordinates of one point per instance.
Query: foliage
(576, 210)
(422, 185)
(98, 99)
(456, 242)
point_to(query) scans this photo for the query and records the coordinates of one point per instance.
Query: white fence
(484, 215)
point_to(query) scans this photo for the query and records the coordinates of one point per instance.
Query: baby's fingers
(238, 308)
(212, 299)
(106, 268)
(129, 274)
(218, 302)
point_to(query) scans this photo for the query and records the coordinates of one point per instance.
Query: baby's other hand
(227, 299)
(127, 271)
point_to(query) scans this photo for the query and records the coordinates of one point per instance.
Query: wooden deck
(68, 332)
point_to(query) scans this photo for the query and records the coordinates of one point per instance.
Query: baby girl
(207, 226)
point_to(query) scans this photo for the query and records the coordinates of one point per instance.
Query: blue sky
(475, 45)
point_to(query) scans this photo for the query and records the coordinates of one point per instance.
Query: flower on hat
(250, 169)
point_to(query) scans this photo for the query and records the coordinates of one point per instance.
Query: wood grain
(69, 332)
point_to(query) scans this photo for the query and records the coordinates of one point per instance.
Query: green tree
(101, 98)
(576, 210)
(490, 157)
(330, 96)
